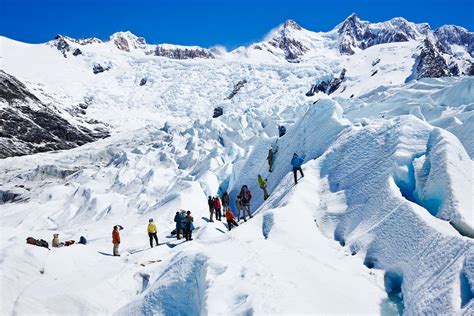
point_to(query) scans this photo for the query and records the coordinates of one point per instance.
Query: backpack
(31, 241)
(83, 240)
(42, 243)
(245, 194)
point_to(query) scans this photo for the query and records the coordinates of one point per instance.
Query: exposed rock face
(77, 52)
(284, 40)
(355, 33)
(182, 52)
(430, 63)
(127, 41)
(27, 126)
(448, 35)
(239, 85)
(98, 68)
(327, 86)
(143, 82)
(218, 111)
(63, 43)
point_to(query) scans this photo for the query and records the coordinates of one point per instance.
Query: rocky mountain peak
(291, 24)
(127, 41)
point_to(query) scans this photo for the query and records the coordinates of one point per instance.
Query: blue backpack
(83, 240)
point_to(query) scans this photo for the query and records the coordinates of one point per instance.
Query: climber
(230, 219)
(263, 185)
(152, 232)
(179, 220)
(271, 151)
(217, 206)
(225, 200)
(281, 130)
(296, 162)
(245, 197)
(116, 240)
(189, 226)
(210, 202)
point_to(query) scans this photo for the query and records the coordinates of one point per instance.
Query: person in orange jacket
(116, 240)
(230, 219)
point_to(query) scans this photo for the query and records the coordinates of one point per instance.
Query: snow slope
(382, 222)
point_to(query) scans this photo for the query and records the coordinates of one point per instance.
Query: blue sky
(209, 22)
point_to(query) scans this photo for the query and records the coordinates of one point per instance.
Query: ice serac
(355, 34)
(182, 52)
(441, 186)
(28, 126)
(128, 41)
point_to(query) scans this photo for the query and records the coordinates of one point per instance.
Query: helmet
(188, 212)
(150, 220)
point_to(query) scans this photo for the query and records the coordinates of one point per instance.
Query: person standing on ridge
(116, 240)
(263, 185)
(189, 226)
(296, 162)
(238, 206)
(217, 206)
(179, 220)
(230, 219)
(225, 200)
(271, 151)
(210, 202)
(152, 232)
(245, 197)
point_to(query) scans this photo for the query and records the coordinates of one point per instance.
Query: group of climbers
(184, 220)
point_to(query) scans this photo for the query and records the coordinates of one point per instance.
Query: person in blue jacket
(296, 162)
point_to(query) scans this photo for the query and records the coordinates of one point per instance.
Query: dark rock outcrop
(98, 68)
(77, 52)
(27, 126)
(355, 33)
(143, 81)
(327, 86)
(239, 85)
(218, 111)
(430, 63)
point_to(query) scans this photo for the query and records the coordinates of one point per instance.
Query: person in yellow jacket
(263, 185)
(152, 232)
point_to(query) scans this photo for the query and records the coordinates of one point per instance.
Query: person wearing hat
(296, 162)
(189, 226)
(152, 232)
(55, 243)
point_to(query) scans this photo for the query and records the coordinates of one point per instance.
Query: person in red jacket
(217, 207)
(230, 219)
(116, 240)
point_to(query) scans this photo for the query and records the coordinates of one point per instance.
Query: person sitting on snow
(296, 162)
(55, 242)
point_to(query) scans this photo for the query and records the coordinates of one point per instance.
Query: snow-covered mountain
(382, 222)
